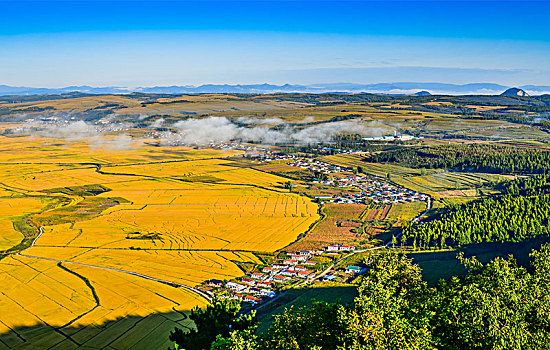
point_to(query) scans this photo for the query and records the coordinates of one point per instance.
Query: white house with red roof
(280, 278)
(257, 275)
(252, 299)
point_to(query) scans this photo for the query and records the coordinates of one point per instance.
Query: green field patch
(438, 265)
(86, 209)
(84, 191)
(202, 178)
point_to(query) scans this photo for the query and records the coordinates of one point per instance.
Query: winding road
(198, 291)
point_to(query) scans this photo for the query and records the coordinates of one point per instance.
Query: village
(288, 270)
(371, 190)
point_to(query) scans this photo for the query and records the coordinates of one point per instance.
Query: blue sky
(144, 43)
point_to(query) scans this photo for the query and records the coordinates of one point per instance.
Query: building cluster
(248, 148)
(316, 165)
(332, 150)
(339, 248)
(391, 138)
(293, 268)
(371, 190)
(269, 156)
(301, 162)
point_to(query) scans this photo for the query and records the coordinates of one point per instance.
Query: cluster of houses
(269, 156)
(248, 148)
(259, 285)
(298, 266)
(316, 165)
(384, 193)
(390, 138)
(371, 190)
(339, 248)
(300, 162)
(332, 150)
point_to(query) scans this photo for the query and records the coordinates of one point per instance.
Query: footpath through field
(198, 291)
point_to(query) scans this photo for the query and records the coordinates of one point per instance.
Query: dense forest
(472, 157)
(527, 186)
(501, 219)
(522, 212)
(497, 306)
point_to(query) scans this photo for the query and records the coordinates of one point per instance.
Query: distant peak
(422, 93)
(514, 92)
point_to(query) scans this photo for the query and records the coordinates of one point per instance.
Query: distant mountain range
(402, 88)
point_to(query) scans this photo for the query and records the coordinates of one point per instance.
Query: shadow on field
(133, 332)
(437, 265)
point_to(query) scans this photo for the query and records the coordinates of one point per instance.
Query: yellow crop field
(44, 292)
(13, 208)
(123, 231)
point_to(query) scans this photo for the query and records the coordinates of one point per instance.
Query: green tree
(288, 186)
(496, 306)
(238, 340)
(219, 318)
(391, 311)
(320, 176)
(320, 325)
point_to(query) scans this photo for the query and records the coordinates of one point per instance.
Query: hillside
(514, 92)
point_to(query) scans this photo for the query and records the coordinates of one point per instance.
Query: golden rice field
(14, 209)
(174, 214)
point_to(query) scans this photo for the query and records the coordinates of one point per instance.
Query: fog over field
(205, 131)
(221, 129)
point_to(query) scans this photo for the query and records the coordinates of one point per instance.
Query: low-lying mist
(221, 129)
(200, 132)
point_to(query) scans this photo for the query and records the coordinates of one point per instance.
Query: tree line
(472, 157)
(495, 306)
(520, 213)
